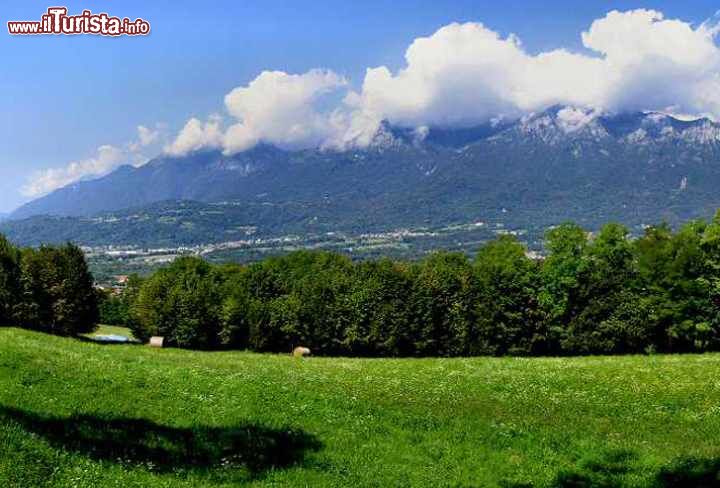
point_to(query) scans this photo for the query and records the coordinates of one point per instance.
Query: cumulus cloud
(147, 136)
(654, 63)
(106, 159)
(197, 135)
(276, 107)
(466, 73)
(281, 109)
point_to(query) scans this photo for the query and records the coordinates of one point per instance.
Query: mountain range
(560, 164)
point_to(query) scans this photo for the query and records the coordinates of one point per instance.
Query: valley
(107, 262)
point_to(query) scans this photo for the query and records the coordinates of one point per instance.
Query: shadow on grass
(606, 470)
(244, 451)
(613, 468)
(690, 473)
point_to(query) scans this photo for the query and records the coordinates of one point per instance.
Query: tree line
(49, 289)
(602, 293)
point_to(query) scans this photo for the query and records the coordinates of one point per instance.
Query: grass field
(79, 414)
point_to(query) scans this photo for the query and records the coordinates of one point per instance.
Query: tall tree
(442, 300)
(182, 303)
(508, 319)
(561, 278)
(9, 281)
(57, 291)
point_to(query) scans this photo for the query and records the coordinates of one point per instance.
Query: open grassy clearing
(79, 414)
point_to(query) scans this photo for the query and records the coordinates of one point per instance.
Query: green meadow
(78, 414)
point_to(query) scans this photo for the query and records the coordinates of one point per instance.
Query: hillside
(85, 415)
(546, 168)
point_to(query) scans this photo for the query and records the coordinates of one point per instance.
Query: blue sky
(63, 97)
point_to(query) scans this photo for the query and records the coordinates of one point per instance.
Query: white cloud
(106, 159)
(653, 63)
(467, 73)
(197, 135)
(463, 74)
(147, 136)
(281, 109)
(351, 126)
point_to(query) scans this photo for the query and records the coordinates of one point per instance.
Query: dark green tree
(561, 279)
(376, 310)
(10, 287)
(442, 301)
(677, 280)
(604, 292)
(58, 293)
(181, 303)
(508, 317)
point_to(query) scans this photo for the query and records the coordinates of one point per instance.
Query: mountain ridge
(200, 175)
(557, 164)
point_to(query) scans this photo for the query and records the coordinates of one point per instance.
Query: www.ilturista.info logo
(57, 21)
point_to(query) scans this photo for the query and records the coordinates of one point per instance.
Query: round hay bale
(301, 352)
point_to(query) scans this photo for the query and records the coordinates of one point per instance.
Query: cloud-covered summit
(466, 73)
(461, 75)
